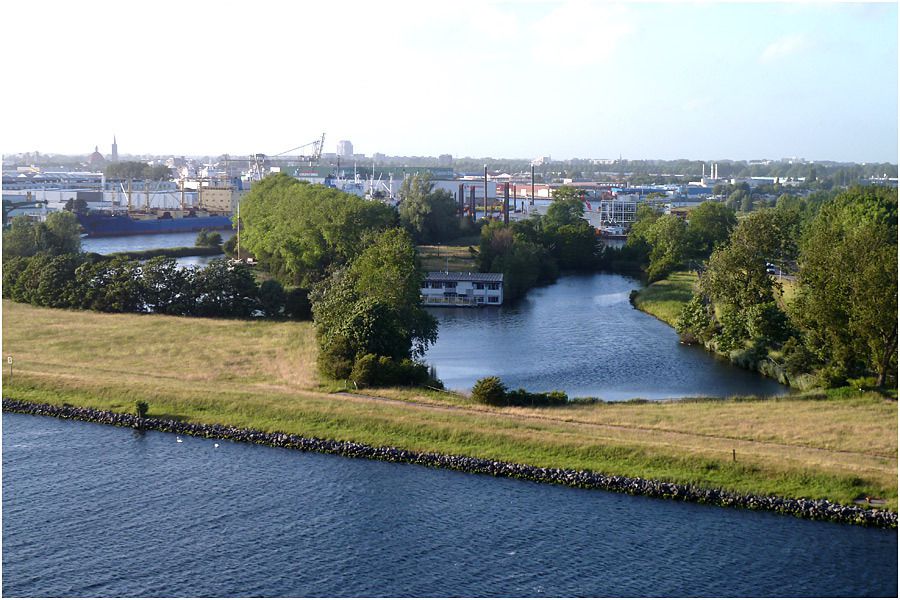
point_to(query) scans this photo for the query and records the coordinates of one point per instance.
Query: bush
(336, 358)
(768, 323)
(141, 408)
(272, 297)
(370, 370)
(297, 305)
(489, 390)
(521, 397)
(208, 238)
(797, 357)
(696, 322)
(365, 370)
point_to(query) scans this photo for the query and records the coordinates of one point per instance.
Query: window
(493, 286)
(493, 299)
(450, 285)
(478, 286)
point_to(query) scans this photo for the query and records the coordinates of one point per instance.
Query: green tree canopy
(848, 270)
(373, 306)
(429, 214)
(710, 225)
(300, 231)
(59, 234)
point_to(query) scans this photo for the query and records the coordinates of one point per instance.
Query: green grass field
(448, 257)
(262, 375)
(664, 298)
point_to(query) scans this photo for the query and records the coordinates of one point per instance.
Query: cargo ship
(216, 205)
(103, 223)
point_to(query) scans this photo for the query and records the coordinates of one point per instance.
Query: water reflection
(581, 335)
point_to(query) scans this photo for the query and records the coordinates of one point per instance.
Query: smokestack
(704, 172)
(461, 200)
(506, 203)
(716, 176)
(532, 185)
(472, 202)
(485, 192)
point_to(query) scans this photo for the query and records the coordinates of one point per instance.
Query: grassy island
(262, 375)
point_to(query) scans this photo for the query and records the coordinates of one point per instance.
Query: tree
(76, 205)
(373, 306)
(669, 246)
(166, 287)
(709, 225)
(209, 239)
(736, 272)
(567, 208)
(300, 232)
(489, 390)
(430, 215)
(224, 289)
(59, 234)
(847, 305)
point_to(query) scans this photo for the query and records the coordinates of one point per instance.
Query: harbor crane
(259, 165)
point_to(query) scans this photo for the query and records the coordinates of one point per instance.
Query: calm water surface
(582, 336)
(108, 245)
(92, 510)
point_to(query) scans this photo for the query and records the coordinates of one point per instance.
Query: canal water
(109, 245)
(582, 336)
(93, 510)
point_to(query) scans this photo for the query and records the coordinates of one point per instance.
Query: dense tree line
(659, 244)
(843, 324)
(59, 234)
(137, 170)
(159, 285)
(533, 251)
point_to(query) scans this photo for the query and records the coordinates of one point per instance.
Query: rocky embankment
(808, 509)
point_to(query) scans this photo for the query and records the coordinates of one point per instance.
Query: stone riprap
(799, 507)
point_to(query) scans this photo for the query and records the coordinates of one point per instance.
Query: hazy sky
(575, 78)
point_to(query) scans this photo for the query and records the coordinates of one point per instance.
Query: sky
(566, 79)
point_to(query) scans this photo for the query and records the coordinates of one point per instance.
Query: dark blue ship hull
(105, 224)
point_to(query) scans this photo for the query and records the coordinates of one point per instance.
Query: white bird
(178, 439)
(215, 445)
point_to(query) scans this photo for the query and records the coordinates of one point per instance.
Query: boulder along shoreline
(819, 510)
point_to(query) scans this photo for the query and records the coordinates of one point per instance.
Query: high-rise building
(345, 149)
(114, 157)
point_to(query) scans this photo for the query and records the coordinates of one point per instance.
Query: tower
(114, 157)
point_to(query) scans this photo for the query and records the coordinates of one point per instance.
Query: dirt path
(672, 436)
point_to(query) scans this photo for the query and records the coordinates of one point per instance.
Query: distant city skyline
(568, 79)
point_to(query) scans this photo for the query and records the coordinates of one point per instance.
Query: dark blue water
(581, 335)
(92, 510)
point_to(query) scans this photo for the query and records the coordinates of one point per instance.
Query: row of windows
(451, 285)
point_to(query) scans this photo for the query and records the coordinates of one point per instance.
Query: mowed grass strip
(447, 258)
(664, 298)
(262, 375)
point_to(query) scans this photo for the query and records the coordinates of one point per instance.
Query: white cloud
(580, 33)
(784, 47)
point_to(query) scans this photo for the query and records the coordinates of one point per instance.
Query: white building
(449, 288)
(345, 149)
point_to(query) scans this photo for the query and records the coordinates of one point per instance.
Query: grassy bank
(452, 257)
(663, 299)
(262, 375)
(179, 252)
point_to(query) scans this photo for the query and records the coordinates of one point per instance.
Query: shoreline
(817, 510)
